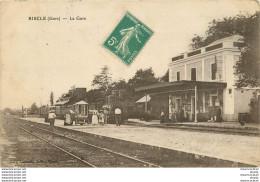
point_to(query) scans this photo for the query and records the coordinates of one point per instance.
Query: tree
(247, 68)
(102, 80)
(165, 77)
(142, 78)
(94, 94)
(120, 84)
(8, 110)
(125, 91)
(51, 98)
(253, 107)
(34, 108)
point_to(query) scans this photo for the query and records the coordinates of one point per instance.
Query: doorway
(178, 103)
(213, 100)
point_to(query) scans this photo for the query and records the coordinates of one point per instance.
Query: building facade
(202, 79)
(69, 99)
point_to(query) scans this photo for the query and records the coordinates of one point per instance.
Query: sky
(38, 57)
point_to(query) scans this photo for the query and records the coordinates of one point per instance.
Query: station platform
(237, 148)
(228, 124)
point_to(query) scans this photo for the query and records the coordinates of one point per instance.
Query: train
(82, 114)
(80, 110)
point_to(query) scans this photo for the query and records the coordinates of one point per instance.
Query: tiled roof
(81, 103)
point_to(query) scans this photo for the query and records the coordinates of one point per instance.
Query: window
(194, 53)
(217, 46)
(79, 109)
(193, 74)
(178, 76)
(213, 71)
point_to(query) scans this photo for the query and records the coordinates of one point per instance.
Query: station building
(202, 79)
(74, 99)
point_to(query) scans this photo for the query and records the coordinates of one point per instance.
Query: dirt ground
(19, 149)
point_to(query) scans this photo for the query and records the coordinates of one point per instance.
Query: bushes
(140, 115)
(147, 116)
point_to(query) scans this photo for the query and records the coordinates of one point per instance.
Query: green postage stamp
(128, 38)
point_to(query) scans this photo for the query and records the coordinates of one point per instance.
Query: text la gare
(77, 18)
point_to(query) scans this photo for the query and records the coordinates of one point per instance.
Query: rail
(101, 148)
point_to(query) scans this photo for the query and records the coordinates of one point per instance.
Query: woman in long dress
(95, 118)
(101, 118)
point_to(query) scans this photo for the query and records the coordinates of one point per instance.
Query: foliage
(120, 84)
(123, 92)
(140, 115)
(253, 105)
(247, 68)
(7, 110)
(94, 94)
(142, 78)
(34, 108)
(103, 79)
(165, 77)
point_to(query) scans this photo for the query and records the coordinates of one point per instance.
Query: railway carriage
(80, 109)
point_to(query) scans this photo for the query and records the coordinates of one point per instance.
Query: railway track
(135, 162)
(66, 151)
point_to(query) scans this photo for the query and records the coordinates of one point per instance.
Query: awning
(183, 85)
(81, 103)
(143, 99)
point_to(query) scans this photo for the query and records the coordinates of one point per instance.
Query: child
(101, 118)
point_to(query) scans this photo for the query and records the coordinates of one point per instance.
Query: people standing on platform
(181, 114)
(162, 117)
(173, 115)
(95, 118)
(212, 114)
(72, 115)
(101, 118)
(118, 116)
(105, 116)
(67, 117)
(218, 115)
(187, 116)
(51, 118)
(67, 120)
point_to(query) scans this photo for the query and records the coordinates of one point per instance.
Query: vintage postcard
(162, 84)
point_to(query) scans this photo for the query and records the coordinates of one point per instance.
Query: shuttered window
(213, 71)
(178, 76)
(193, 74)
